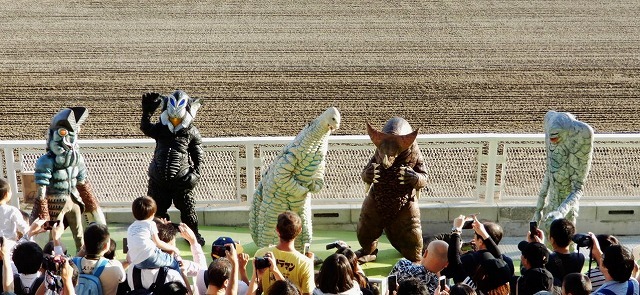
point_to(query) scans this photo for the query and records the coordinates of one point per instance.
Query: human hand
(66, 272)
(231, 253)
(187, 233)
(243, 260)
(479, 228)
(57, 230)
(459, 221)
(36, 227)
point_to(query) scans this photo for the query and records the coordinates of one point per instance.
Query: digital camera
(582, 240)
(262, 262)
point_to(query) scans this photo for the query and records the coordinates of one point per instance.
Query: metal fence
(484, 168)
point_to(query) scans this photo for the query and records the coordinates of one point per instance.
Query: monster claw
(375, 181)
(375, 165)
(401, 182)
(401, 178)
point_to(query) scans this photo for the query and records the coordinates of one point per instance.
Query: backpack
(31, 290)
(138, 289)
(89, 283)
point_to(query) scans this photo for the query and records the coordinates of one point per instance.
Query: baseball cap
(537, 279)
(491, 272)
(221, 241)
(536, 253)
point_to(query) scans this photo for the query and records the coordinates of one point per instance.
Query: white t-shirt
(139, 241)
(11, 221)
(148, 276)
(112, 275)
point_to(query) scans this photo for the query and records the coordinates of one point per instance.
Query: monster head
(179, 110)
(63, 134)
(395, 138)
(330, 118)
(561, 126)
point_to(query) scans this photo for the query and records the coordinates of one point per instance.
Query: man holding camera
(293, 265)
(220, 270)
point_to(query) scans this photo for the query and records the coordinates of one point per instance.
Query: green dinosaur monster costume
(569, 144)
(297, 171)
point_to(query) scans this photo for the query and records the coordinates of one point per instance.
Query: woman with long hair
(336, 277)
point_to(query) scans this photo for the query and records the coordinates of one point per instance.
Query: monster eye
(63, 132)
(182, 102)
(172, 101)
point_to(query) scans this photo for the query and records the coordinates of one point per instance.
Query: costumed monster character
(297, 171)
(61, 176)
(394, 176)
(174, 171)
(569, 144)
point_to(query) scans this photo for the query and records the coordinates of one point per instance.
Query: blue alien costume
(174, 171)
(61, 176)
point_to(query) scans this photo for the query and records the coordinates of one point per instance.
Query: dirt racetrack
(267, 68)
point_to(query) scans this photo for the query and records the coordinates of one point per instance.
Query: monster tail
(254, 211)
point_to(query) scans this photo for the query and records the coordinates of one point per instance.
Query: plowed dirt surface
(267, 68)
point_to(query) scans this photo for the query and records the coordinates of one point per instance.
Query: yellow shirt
(293, 265)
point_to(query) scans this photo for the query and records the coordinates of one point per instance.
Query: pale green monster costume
(569, 144)
(285, 186)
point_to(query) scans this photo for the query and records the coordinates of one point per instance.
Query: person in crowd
(461, 289)
(412, 286)
(470, 265)
(217, 248)
(111, 253)
(146, 249)
(534, 276)
(562, 260)
(12, 223)
(96, 243)
(223, 274)
(595, 275)
(336, 277)
(358, 272)
(283, 287)
(172, 288)
(27, 258)
(434, 260)
(576, 284)
(294, 265)
(267, 264)
(616, 263)
(167, 234)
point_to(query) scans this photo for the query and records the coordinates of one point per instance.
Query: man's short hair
(143, 208)
(166, 232)
(577, 284)
(289, 225)
(412, 286)
(28, 257)
(562, 231)
(96, 237)
(494, 230)
(618, 261)
(219, 271)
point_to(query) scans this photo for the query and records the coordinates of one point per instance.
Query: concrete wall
(597, 217)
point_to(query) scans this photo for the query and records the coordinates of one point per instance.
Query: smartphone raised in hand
(125, 246)
(49, 224)
(533, 228)
(392, 283)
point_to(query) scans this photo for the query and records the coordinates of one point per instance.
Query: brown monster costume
(394, 176)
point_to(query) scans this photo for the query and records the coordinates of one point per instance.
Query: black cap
(536, 280)
(536, 253)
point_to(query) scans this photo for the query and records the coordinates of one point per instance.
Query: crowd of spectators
(449, 265)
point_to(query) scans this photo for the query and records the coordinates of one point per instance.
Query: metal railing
(485, 168)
